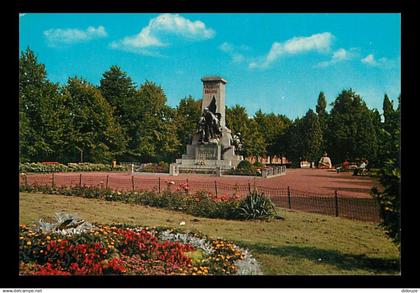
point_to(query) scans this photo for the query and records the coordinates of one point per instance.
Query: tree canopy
(119, 120)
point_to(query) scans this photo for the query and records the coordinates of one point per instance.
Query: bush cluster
(70, 167)
(246, 168)
(161, 167)
(200, 204)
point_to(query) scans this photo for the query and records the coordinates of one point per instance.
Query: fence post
(249, 187)
(289, 195)
(80, 180)
(159, 185)
(132, 181)
(26, 181)
(52, 181)
(215, 186)
(336, 202)
(107, 179)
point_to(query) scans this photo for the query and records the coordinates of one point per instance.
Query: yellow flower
(21, 237)
(48, 238)
(28, 243)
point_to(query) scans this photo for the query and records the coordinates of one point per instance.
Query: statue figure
(209, 123)
(237, 142)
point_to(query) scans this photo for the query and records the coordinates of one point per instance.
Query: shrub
(162, 167)
(51, 167)
(259, 165)
(256, 206)
(41, 168)
(200, 204)
(389, 199)
(244, 165)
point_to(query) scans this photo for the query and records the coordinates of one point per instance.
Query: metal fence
(365, 209)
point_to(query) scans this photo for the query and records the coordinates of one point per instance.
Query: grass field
(301, 244)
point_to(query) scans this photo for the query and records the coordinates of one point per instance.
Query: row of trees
(118, 120)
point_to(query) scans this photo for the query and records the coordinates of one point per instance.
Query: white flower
(182, 223)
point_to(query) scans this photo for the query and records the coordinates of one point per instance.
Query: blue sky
(274, 62)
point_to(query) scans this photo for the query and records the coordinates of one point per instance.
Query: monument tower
(214, 87)
(212, 147)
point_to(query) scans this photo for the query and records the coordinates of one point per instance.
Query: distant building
(269, 160)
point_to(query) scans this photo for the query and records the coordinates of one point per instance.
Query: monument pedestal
(208, 158)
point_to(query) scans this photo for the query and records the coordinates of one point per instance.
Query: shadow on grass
(340, 260)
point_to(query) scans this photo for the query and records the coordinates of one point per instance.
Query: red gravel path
(309, 180)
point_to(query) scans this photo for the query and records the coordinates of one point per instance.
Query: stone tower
(214, 86)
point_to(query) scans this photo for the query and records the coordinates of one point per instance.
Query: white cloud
(160, 27)
(338, 56)
(226, 47)
(383, 62)
(69, 36)
(370, 60)
(318, 42)
(234, 51)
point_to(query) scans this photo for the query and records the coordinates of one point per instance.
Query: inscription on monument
(210, 88)
(206, 152)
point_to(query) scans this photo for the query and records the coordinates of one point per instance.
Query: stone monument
(213, 148)
(325, 162)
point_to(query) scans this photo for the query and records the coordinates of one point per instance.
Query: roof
(213, 78)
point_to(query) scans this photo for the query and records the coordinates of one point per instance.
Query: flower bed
(200, 204)
(72, 246)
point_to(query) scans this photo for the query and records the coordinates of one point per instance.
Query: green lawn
(301, 244)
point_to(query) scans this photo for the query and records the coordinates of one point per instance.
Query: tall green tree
(188, 113)
(253, 140)
(237, 119)
(304, 139)
(39, 128)
(154, 138)
(351, 134)
(388, 110)
(93, 129)
(322, 117)
(119, 90)
(378, 127)
(312, 137)
(390, 174)
(389, 132)
(271, 126)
